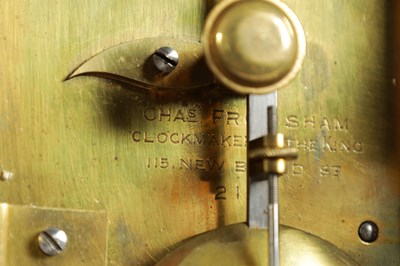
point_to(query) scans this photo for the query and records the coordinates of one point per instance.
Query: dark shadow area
(393, 46)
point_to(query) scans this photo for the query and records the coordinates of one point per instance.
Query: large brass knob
(253, 46)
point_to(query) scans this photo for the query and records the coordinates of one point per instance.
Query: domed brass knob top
(253, 46)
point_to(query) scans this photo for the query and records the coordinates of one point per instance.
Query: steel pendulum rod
(273, 208)
(273, 219)
(268, 156)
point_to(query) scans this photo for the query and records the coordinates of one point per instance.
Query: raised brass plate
(21, 225)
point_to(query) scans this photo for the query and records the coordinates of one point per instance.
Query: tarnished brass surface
(238, 245)
(21, 225)
(163, 168)
(339, 113)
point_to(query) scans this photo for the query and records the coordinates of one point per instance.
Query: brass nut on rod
(270, 155)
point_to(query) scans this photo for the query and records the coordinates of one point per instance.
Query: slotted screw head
(166, 59)
(52, 241)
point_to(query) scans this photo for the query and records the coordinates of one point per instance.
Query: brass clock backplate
(160, 169)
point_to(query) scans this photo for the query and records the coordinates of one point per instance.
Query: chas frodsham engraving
(218, 117)
(327, 134)
(322, 135)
